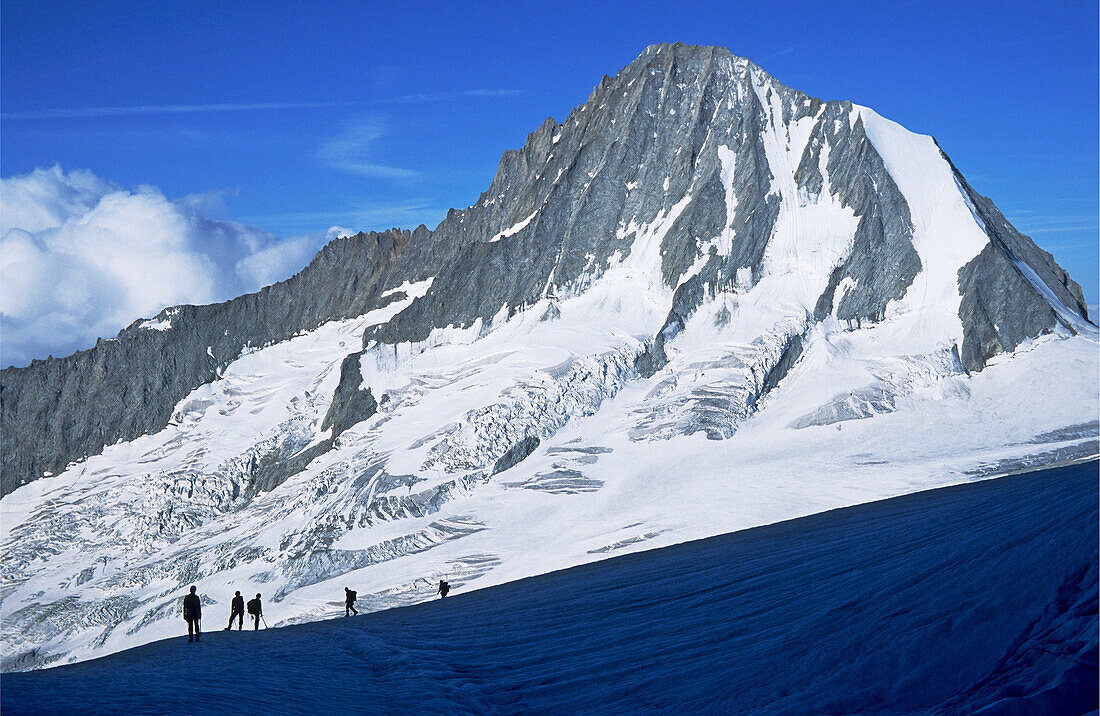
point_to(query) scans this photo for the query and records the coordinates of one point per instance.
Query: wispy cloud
(491, 93)
(444, 96)
(151, 109)
(1055, 223)
(780, 53)
(354, 148)
(170, 109)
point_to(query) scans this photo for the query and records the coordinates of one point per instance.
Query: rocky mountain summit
(692, 136)
(697, 251)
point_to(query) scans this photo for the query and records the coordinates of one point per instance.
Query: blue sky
(290, 118)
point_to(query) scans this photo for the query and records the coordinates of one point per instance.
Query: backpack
(254, 606)
(351, 596)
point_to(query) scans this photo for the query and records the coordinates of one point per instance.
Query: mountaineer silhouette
(255, 611)
(349, 602)
(236, 609)
(443, 588)
(192, 613)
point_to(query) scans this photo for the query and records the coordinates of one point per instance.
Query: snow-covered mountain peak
(703, 301)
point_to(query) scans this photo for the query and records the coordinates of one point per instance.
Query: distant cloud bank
(82, 257)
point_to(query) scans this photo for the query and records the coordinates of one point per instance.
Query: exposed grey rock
(274, 467)
(993, 320)
(552, 313)
(350, 404)
(883, 261)
(653, 358)
(1001, 308)
(779, 371)
(516, 454)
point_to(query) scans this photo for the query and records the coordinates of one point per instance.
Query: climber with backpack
(255, 611)
(443, 588)
(349, 602)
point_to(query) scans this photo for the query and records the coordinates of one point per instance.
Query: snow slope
(410, 493)
(980, 597)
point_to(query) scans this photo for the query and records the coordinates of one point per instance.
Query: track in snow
(951, 600)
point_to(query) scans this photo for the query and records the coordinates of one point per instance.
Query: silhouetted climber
(236, 609)
(443, 588)
(255, 611)
(192, 613)
(349, 602)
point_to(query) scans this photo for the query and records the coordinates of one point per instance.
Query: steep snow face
(947, 232)
(742, 323)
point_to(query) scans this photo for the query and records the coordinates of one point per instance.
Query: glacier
(771, 307)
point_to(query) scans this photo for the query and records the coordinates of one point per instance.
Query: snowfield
(974, 598)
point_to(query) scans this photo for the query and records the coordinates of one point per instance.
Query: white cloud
(277, 261)
(81, 258)
(47, 198)
(354, 148)
(268, 265)
(209, 203)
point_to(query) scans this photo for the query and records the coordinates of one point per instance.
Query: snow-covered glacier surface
(911, 605)
(532, 442)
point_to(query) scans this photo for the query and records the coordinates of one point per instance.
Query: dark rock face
(516, 454)
(993, 319)
(558, 212)
(1001, 308)
(790, 356)
(883, 261)
(350, 405)
(642, 142)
